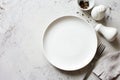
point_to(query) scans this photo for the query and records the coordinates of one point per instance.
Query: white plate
(69, 43)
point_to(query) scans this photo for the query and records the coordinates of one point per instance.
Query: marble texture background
(22, 23)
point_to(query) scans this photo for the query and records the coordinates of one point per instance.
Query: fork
(99, 52)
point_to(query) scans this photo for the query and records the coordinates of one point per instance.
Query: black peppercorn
(84, 4)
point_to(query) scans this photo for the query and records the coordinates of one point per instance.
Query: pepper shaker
(98, 12)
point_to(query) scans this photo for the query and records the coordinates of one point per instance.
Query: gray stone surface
(22, 23)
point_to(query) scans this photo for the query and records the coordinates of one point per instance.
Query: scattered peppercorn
(82, 14)
(77, 12)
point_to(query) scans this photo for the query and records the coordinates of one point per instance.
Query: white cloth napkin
(109, 67)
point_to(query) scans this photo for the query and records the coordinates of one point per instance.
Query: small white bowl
(91, 4)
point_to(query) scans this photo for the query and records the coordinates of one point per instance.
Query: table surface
(22, 23)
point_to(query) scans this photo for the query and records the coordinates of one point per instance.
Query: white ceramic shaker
(98, 12)
(109, 33)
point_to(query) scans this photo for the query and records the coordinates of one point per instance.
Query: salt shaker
(109, 33)
(98, 12)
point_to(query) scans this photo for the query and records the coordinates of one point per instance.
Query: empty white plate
(69, 43)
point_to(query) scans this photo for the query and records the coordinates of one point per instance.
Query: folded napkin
(109, 67)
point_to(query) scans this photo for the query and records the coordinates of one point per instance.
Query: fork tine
(99, 51)
(101, 48)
